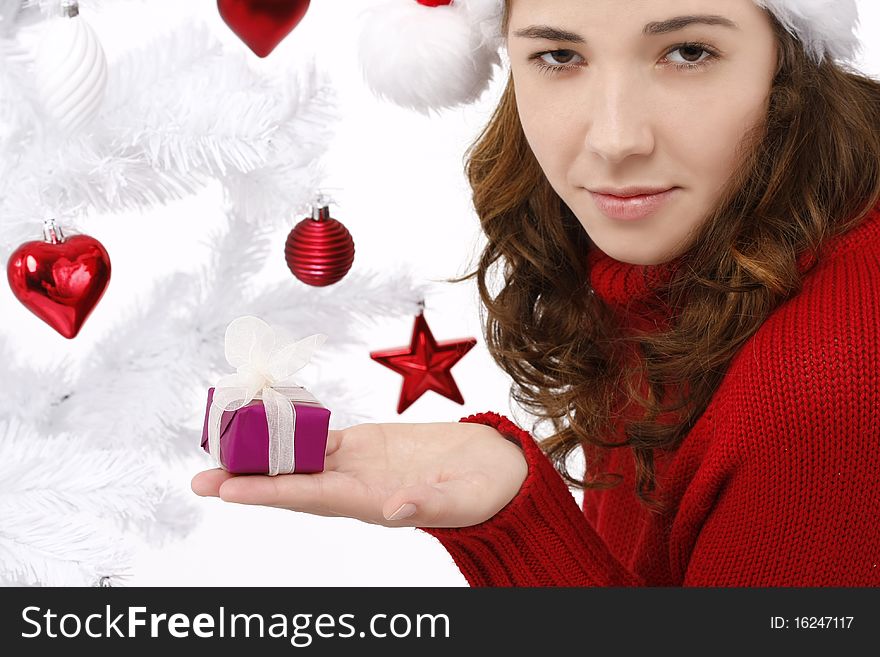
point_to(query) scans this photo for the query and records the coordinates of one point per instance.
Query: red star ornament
(425, 364)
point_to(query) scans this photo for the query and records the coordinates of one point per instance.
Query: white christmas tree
(84, 445)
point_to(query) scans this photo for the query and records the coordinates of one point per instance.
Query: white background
(401, 191)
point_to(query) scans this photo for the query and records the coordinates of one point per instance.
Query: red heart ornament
(61, 283)
(262, 24)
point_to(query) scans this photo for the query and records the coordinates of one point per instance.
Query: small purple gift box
(244, 436)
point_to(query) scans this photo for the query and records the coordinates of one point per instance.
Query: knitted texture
(775, 485)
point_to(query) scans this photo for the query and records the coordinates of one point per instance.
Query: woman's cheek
(540, 136)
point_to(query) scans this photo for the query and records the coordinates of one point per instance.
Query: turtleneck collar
(630, 289)
(627, 288)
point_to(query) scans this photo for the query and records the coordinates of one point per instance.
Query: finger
(297, 492)
(334, 440)
(451, 503)
(207, 483)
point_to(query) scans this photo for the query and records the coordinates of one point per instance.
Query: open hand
(449, 474)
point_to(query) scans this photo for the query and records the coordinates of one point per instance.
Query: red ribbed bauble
(319, 250)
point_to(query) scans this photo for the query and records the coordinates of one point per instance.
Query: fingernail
(405, 511)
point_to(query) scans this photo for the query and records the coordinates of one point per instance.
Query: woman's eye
(545, 65)
(691, 49)
(694, 55)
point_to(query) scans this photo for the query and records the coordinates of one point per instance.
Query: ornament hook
(321, 207)
(52, 232)
(70, 8)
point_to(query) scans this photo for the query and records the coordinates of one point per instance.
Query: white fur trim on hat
(825, 27)
(425, 57)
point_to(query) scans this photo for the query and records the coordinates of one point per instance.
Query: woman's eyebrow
(651, 29)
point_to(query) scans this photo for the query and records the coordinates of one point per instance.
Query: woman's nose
(619, 117)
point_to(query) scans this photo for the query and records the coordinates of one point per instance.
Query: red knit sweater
(777, 484)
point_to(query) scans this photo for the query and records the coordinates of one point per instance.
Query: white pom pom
(70, 72)
(423, 57)
(488, 14)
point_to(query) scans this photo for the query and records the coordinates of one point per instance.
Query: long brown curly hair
(810, 172)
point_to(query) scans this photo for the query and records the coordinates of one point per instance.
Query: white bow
(263, 363)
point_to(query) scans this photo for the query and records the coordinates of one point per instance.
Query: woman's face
(623, 113)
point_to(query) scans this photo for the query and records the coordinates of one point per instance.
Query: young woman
(709, 346)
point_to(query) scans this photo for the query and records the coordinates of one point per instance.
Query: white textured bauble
(70, 72)
(423, 57)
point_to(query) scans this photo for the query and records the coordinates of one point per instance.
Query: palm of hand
(457, 474)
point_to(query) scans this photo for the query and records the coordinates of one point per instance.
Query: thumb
(444, 504)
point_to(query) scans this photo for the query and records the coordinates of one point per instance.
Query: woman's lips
(633, 207)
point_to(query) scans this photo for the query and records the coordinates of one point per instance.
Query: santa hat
(432, 54)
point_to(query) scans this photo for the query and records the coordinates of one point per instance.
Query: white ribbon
(263, 362)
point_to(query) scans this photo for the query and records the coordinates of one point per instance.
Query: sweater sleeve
(541, 538)
(789, 495)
